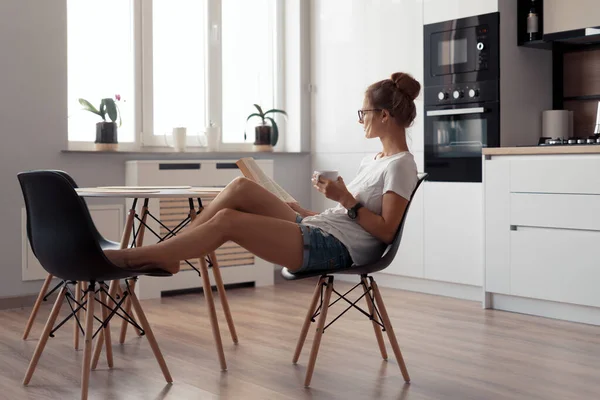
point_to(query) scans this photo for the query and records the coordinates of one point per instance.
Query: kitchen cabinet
(453, 225)
(561, 15)
(542, 227)
(444, 10)
(409, 259)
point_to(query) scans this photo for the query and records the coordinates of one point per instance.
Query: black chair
(375, 305)
(44, 292)
(68, 246)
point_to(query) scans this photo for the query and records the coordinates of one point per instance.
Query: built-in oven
(462, 50)
(461, 96)
(454, 137)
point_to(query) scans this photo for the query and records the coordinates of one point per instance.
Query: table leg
(210, 304)
(223, 296)
(139, 243)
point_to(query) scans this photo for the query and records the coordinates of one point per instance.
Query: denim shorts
(322, 251)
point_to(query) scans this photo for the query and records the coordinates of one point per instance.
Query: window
(100, 64)
(196, 63)
(249, 49)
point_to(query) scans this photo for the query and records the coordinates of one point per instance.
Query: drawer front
(556, 175)
(569, 211)
(556, 264)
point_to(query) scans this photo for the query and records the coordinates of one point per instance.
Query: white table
(147, 193)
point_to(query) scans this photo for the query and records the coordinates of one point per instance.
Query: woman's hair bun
(406, 84)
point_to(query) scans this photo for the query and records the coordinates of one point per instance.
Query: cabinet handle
(513, 227)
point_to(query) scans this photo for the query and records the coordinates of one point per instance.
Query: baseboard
(20, 301)
(545, 308)
(447, 289)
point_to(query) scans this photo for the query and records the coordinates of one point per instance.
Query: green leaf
(275, 110)
(275, 133)
(103, 109)
(89, 107)
(253, 115)
(111, 109)
(260, 111)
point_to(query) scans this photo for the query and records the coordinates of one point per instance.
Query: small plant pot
(106, 136)
(262, 140)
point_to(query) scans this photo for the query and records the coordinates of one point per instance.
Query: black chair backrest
(391, 250)
(62, 234)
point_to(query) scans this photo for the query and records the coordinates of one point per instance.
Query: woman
(356, 231)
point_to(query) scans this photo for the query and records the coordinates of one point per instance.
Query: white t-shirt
(396, 173)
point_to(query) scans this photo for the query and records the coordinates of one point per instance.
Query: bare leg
(269, 238)
(242, 194)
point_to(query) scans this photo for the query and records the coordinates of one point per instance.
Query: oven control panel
(462, 93)
(482, 47)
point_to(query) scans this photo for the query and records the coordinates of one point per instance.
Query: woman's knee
(241, 183)
(225, 219)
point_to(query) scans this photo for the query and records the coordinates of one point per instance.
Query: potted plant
(106, 131)
(266, 133)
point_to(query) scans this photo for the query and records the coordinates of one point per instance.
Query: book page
(252, 171)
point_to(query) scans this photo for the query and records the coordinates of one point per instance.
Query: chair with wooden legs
(210, 261)
(67, 246)
(44, 293)
(377, 312)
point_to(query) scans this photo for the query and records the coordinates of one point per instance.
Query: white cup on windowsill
(213, 138)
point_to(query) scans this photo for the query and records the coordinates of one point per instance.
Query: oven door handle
(456, 111)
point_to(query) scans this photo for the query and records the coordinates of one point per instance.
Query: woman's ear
(385, 115)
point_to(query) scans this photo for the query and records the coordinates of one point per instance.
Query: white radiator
(237, 265)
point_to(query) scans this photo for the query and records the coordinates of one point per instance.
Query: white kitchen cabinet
(444, 10)
(409, 259)
(453, 232)
(542, 229)
(555, 264)
(561, 15)
(496, 182)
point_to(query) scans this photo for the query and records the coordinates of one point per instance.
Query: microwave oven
(462, 50)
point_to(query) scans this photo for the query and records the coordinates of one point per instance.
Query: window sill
(133, 148)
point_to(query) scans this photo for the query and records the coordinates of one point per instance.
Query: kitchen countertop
(533, 150)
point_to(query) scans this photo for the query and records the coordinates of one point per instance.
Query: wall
(33, 129)
(356, 43)
(444, 10)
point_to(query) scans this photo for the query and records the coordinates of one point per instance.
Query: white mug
(179, 138)
(332, 175)
(213, 138)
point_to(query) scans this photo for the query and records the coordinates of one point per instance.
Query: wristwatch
(353, 212)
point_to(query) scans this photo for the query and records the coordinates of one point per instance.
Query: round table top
(150, 192)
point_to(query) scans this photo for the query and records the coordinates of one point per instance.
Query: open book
(252, 171)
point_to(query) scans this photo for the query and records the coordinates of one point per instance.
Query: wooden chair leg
(76, 317)
(212, 313)
(102, 338)
(87, 349)
(390, 330)
(223, 296)
(45, 335)
(307, 320)
(107, 337)
(151, 339)
(36, 306)
(376, 326)
(319, 333)
(127, 306)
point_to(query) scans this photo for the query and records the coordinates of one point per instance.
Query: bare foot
(119, 258)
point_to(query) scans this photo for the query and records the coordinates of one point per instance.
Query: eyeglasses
(361, 113)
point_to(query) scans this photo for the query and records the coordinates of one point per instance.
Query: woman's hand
(334, 190)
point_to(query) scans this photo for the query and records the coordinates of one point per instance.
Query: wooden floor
(453, 350)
